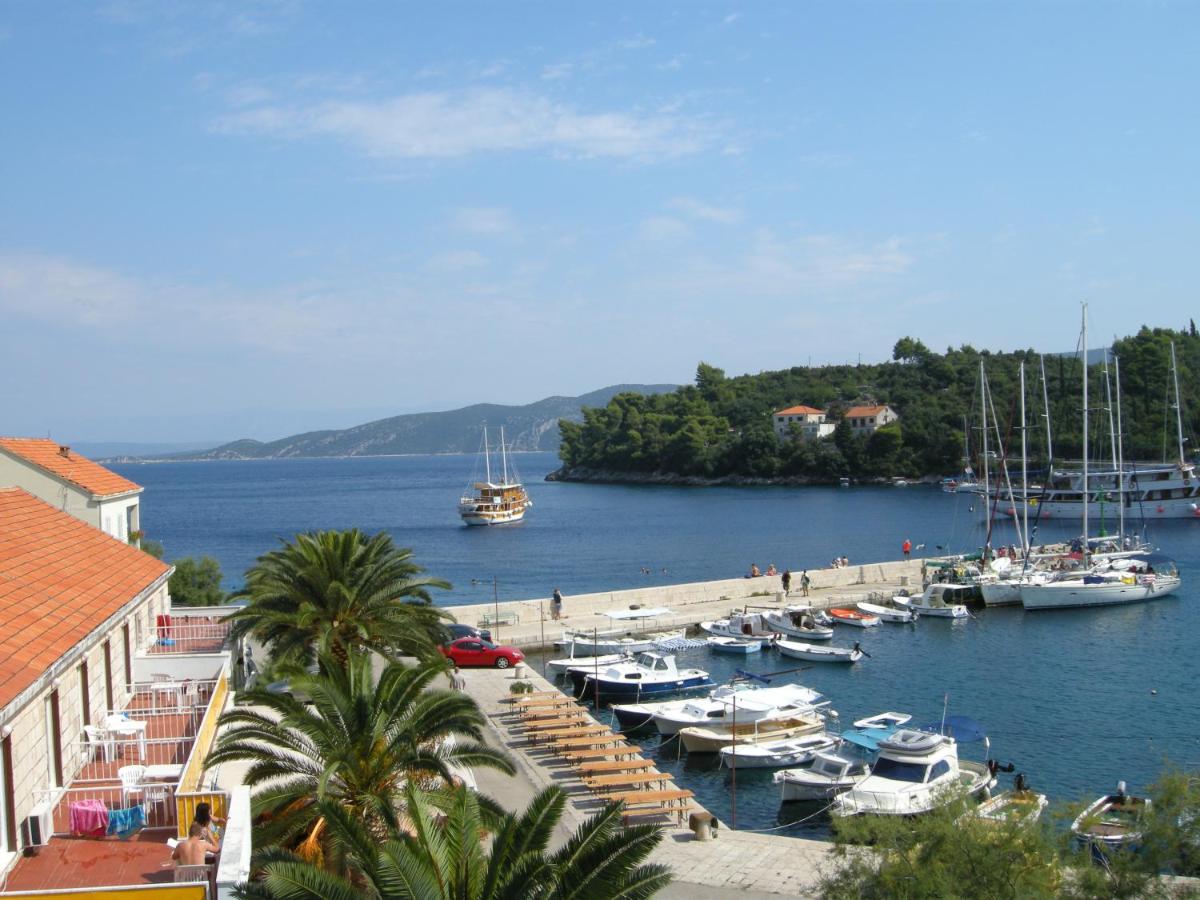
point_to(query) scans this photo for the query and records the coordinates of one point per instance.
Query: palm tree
(340, 591)
(442, 856)
(355, 745)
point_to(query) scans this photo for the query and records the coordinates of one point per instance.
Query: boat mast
(1178, 410)
(487, 456)
(1085, 437)
(503, 454)
(1112, 432)
(1046, 407)
(1024, 472)
(1120, 448)
(987, 493)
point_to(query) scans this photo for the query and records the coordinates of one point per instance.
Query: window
(108, 691)
(8, 810)
(54, 739)
(940, 768)
(128, 658)
(899, 771)
(85, 713)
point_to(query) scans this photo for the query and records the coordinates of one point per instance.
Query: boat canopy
(637, 613)
(867, 738)
(963, 729)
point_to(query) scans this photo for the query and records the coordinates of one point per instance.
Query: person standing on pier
(805, 581)
(556, 604)
(906, 547)
(787, 581)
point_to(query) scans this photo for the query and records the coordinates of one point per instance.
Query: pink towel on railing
(88, 817)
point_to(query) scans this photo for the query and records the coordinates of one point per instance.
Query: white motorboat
(828, 775)
(814, 653)
(647, 673)
(752, 703)
(495, 502)
(795, 751)
(799, 622)
(915, 772)
(619, 640)
(560, 666)
(888, 614)
(1129, 580)
(1112, 821)
(844, 616)
(740, 625)
(736, 645)
(938, 600)
(710, 739)
(890, 721)
(1008, 806)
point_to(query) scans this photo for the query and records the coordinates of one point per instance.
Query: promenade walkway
(754, 866)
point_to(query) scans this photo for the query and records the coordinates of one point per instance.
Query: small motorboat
(813, 653)
(796, 751)
(1008, 806)
(938, 600)
(1112, 821)
(800, 622)
(828, 775)
(889, 721)
(698, 739)
(844, 616)
(740, 625)
(560, 666)
(741, 701)
(885, 614)
(648, 673)
(736, 645)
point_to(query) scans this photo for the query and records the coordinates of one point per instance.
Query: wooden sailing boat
(490, 502)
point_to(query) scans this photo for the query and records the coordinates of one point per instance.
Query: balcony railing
(77, 809)
(189, 633)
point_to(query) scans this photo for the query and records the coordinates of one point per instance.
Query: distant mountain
(531, 427)
(117, 449)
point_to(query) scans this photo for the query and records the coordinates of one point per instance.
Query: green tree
(154, 548)
(340, 591)
(196, 582)
(445, 855)
(355, 745)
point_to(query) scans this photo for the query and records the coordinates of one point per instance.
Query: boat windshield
(900, 771)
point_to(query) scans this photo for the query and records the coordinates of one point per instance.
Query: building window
(86, 709)
(8, 811)
(54, 739)
(108, 691)
(128, 659)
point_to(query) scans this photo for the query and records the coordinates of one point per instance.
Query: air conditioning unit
(37, 829)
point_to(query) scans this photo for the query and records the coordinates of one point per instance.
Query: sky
(254, 218)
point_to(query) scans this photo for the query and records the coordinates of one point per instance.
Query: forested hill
(529, 427)
(722, 427)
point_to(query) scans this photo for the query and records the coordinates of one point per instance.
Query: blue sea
(1076, 699)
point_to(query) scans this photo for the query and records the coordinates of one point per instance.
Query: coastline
(585, 475)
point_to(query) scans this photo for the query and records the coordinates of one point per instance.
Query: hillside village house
(109, 700)
(866, 420)
(811, 422)
(72, 483)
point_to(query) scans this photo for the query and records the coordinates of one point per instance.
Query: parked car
(471, 651)
(461, 631)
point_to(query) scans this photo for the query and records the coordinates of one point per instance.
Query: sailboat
(490, 502)
(1110, 582)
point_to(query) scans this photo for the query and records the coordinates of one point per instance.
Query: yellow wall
(142, 892)
(190, 791)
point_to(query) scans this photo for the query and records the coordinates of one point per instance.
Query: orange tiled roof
(69, 466)
(858, 412)
(59, 579)
(800, 411)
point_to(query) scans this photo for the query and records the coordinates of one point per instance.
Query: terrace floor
(77, 862)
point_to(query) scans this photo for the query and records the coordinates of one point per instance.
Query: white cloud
(557, 71)
(694, 209)
(637, 42)
(484, 220)
(439, 125)
(662, 228)
(63, 291)
(731, 18)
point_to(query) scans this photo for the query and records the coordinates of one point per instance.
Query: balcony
(190, 630)
(144, 762)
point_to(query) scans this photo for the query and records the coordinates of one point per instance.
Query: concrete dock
(529, 623)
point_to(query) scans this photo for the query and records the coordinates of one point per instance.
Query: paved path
(752, 866)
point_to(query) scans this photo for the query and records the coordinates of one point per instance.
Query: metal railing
(156, 799)
(104, 753)
(187, 635)
(191, 791)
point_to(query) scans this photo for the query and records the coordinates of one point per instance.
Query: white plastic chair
(132, 782)
(98, 737)
(190, 874)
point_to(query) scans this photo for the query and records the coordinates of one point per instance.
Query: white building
(54, 473)
(811, 422)
(866, 420)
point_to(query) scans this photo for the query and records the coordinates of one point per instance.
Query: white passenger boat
(752, 703)
(814, 653)
(888, 614)
(495, 502)
(937, 600)
(740, 625)
(1112, 821)
(828, 775)
(795, 751)
(799, 622)
(915, 772)
(736, 645)
(711, 738)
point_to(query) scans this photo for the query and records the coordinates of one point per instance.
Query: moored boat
(799, 622)
(646, 674)
(828, 775)
(795, 751)
(500, 502)
(1023, 806)
(740, 625)
(710, 739)
(752, 703)
(888, 614)
(560, 666)
(1111, 821)
(814, 653)
(1123, 581)
(937, 600)
(736, 645)
(856, 617)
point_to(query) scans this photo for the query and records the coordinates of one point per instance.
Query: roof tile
(69, 465)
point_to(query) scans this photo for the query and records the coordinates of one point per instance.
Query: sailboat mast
(487, 456)
(1024, 472)
(1046, 407)
(1112, 429)
(1120, 449)
(1178, 409)
(1085, 437)
(503, 454)
(987, 492)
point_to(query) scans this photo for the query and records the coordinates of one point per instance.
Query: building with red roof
(866, 420)
(72, 483)
(810, 421)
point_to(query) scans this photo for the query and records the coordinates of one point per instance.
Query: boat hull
(489, 518)
(734, 646)
(777, 754)
(1076, 595)
(560, 666)
(1001, 593)
(614, 689)
(818, 654)
(711, 740)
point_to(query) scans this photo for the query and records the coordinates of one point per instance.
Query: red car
(470, 651)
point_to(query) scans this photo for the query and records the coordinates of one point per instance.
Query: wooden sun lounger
(566, 743)
(596, 767)
(623, 749)
(625, 779)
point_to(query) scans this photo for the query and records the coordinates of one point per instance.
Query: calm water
(1066, 696)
